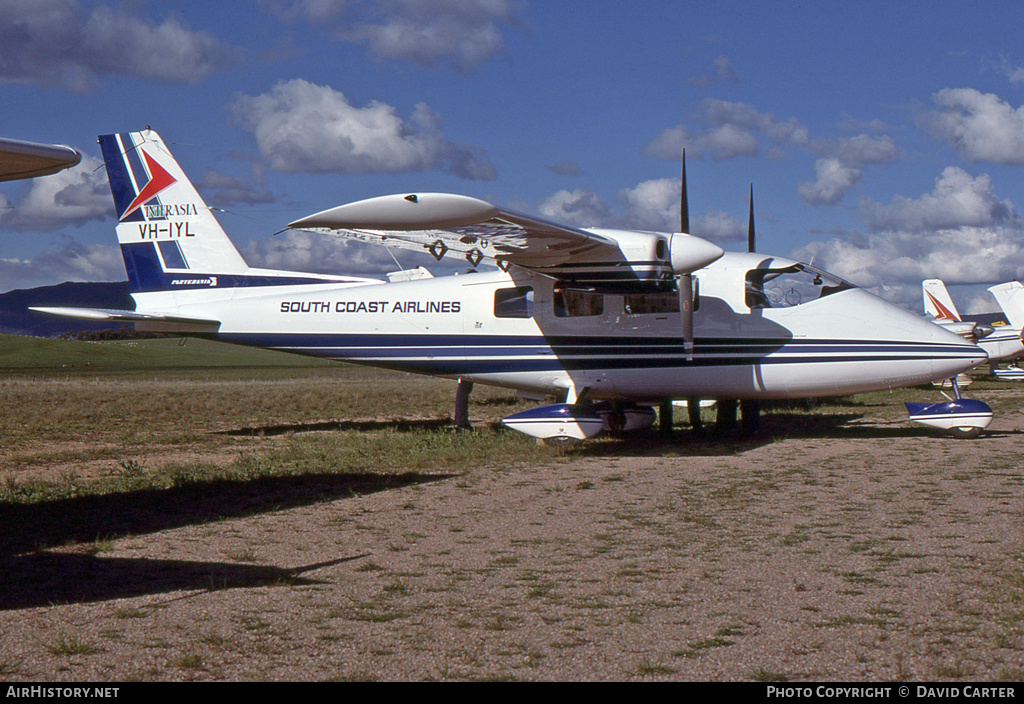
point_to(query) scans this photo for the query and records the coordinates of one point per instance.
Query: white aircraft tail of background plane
(937, 302)
(1010, 297)
(610, 321)
(940, 309)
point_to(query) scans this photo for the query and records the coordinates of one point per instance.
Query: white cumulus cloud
(650, 205)
(303, 127)
(834, 180)
(958, 199)
(981, 126)
(431, 33)
(72, 261)
(60, 43)
(580, 208)
(960, 232)
(894, 263)
(70, 197)
(732, 129)
(653, 205)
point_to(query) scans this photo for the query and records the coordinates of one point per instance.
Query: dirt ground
(869, 550)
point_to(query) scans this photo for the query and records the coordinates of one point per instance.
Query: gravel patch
(873, 553)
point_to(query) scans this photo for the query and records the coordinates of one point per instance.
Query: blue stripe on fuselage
(481, 354)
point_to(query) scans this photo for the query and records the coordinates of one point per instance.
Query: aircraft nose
(933, 353)
(958, 354)
(982, 357)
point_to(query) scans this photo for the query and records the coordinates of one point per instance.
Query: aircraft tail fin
(1010, 297)
(169, 238)
(937, 302)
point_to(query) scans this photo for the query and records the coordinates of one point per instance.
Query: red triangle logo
(159, 181)
(944, 312)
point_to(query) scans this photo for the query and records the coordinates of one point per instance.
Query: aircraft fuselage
(784, 335)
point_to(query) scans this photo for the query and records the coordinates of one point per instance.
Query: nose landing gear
(963, 417)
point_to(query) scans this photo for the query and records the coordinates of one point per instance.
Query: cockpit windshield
(790, 286)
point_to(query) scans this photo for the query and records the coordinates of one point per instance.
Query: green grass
(70, 644)
(189, 443)
(45, 357)
(88, 419)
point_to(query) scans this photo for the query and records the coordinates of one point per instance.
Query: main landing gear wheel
(965, 433)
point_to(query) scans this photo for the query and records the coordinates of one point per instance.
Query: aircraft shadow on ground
(37, 526)
(713, 441)
(395, 425)
(51, 578)
(710, 441)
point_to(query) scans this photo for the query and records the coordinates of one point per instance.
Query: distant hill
(987, 318)
(17, 319)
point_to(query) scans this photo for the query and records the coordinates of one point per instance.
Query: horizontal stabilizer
(151, 322)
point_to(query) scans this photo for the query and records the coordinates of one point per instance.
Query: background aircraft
(628, 318)
(1003, 343)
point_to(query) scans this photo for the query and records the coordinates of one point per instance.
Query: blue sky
(883, 139)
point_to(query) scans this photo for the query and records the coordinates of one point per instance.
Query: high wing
(603, 260)
(29, 159)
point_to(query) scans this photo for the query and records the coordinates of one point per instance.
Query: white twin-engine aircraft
(611, 321)
(1002, 343)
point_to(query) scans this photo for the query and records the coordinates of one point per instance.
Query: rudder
(169, 238)
(1010, 297)
(937, 301)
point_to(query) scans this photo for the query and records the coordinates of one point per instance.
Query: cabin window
(790, 286)
(647, 303)
(513, 302)
(572, 304)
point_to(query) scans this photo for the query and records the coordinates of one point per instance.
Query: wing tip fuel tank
(420, 211)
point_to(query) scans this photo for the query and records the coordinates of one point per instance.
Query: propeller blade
(684, 281)
(684, 205)
(684, 284)
(750, 222)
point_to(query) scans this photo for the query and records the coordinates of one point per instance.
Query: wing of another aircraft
(29, 159)
(588, 258)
